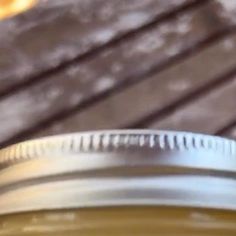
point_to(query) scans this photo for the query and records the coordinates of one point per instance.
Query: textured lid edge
(113, 141)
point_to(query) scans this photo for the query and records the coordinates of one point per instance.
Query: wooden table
(74, 65)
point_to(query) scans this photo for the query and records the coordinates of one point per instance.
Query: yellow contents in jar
(12, 7)
(122, 221)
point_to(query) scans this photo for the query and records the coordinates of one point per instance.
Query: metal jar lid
(118, 168)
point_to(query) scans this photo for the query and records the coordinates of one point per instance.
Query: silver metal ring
(115, 168)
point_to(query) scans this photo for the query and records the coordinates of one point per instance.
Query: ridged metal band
(103, 141)
(111, 168)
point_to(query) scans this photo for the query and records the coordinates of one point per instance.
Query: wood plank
(227, 10)
(228, 14)
(57, 31)
(229, 130)
(207, 114)
(68, 90)
(231, 133)
(228, 126)
(159, 91)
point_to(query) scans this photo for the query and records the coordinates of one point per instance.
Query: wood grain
(231, 133)
(207, 114)
(161, 90)
(58, 31)
(128, 62)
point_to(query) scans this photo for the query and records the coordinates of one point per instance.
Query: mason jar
(119, 183)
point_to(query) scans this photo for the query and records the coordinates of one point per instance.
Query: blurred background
(77, 65)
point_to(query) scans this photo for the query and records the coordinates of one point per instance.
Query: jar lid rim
(114, 141)
(117, 168)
